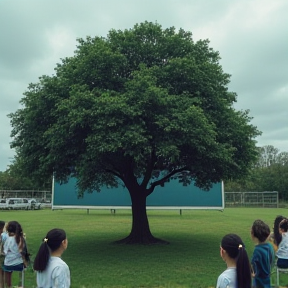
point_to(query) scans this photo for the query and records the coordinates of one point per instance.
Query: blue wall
(173, 194)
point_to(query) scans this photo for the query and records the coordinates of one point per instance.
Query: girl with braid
(52, 271)
(282, 252)
(237, 274)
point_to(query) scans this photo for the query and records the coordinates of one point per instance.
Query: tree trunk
(140, 232)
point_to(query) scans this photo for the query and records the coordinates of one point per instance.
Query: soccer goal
(252, 199)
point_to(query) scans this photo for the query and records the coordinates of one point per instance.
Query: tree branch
(150, 167)
(114, 173)
(164, 179)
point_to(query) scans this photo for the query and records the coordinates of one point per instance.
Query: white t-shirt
(227, 279)
(282, 251)
(12, 253)
(56, 274)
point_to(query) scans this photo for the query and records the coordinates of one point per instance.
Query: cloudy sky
(251, 36)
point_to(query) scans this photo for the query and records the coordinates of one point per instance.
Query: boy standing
(263, 255)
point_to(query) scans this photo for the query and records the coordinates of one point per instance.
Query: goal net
(252, 199)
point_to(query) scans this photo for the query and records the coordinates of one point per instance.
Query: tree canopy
(270, 173)
(16, 178)
(136, 107)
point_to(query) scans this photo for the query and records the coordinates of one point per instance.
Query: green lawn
(190, 260)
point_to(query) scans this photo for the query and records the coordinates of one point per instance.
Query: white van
(13, 203)
(32, 204)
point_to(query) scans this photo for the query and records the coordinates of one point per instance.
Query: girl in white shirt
(52, 271)
(13, 247)
(237, 274)
(282, 252)
(3, 237)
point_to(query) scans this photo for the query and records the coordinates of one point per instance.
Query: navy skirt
(11, 268)
(282, 263)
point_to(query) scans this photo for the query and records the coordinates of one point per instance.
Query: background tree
(270, 173)
(268, 155)
(135, 108)
(16, 178)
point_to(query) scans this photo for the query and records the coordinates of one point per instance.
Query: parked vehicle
(3, 204)
(33, 204)
(13, 203)
(45, 203)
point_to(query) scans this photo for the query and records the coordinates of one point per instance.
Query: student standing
(237, 274)
(13, 248)
(275, 237)
(263, 255)
(3, 237)
(282, 252)
(52, 271)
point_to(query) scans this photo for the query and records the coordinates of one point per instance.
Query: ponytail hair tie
(45, 240)
(240, 246)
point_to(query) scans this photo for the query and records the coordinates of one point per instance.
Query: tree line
(269, 173)
(16, 178)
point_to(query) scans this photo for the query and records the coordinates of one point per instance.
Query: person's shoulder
(263, 246)
(222, 281)
(226, 277)
(9, 238)
(269, 244)
(228, 273)
(285, 236)
(59, 267)
(57, 261)
(257, 248)
(258, 251)
(262, 249)
(270, 247)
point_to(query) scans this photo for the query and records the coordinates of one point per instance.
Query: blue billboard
(172, 196)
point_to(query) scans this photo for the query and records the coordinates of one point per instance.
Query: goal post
(266, 199)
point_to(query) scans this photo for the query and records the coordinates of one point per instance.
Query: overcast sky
(251, 36)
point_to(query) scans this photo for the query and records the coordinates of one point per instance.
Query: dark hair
(284, 225)
(277, 235)
(15, 228)
(235, 248)
(51, 242)
(260, 230)
(2, 224)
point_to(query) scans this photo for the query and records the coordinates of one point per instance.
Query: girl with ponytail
(52, 271)
(13, 248)
(275, 237)
(237, 274)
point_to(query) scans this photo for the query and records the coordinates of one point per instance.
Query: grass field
(190, 260)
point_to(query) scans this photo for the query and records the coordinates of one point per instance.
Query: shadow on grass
(177, 264)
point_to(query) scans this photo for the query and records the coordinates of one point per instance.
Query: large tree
(136, 108)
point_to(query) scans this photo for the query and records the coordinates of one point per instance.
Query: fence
(42, 196)
(232, 199)
(252, 199)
